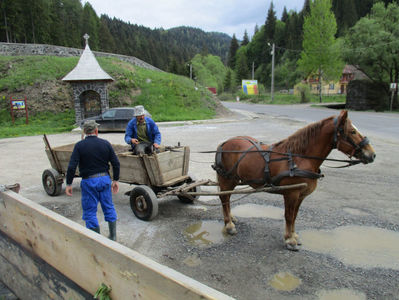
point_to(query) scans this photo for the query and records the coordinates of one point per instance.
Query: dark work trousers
(96, 190)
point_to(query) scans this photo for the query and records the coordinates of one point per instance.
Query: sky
(227, 16)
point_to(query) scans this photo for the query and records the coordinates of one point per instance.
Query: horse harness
(293, 170)
(340, 130)
(267, 180)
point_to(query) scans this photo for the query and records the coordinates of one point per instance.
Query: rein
(350, 162)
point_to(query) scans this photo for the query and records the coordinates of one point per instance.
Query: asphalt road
(349, 226)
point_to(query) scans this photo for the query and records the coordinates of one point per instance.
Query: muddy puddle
(360, 246)
(340, 294)
(205, 233)
(285, 281)
(258, 211)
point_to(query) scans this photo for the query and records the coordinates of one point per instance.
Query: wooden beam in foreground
(89, 259)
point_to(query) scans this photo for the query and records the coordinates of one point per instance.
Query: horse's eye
(353, 131)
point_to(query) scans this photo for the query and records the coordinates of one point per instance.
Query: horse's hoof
(292, 247)
(231, 230)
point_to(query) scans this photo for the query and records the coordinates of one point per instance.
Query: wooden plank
(30, 277)
(186, 160)
(167, 176)
(130, 274)
(152, 169)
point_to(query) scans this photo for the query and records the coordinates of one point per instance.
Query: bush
(304, 92)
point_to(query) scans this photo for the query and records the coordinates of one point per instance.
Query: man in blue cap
(142, 132)
(93, 156)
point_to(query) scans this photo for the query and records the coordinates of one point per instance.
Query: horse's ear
(342, 117)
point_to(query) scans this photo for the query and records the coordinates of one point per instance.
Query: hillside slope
(167, 96)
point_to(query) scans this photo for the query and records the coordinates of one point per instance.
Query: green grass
(17, 72)
(39, 124)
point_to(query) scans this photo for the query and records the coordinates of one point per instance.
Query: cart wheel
(51, 182)
(190, 200)
(144, 203)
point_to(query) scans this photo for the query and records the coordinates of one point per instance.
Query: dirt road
(349, 226)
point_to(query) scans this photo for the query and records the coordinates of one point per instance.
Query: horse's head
(350, 141)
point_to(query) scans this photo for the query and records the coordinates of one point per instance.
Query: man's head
(90, 126)
(139, 113)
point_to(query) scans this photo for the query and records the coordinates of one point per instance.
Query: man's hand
(68, 190)
(115, 187)
(135, 141)
(156, 145)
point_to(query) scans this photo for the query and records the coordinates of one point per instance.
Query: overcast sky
(227, 16)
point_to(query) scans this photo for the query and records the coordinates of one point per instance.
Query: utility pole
(191, 71)
(253, 67)
(272, 87)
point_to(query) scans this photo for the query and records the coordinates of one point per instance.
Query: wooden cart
(153, 175)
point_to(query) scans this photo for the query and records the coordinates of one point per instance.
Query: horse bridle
(340, 132)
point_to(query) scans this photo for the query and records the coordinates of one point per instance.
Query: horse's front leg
(296, 209)
(290, 201)
(229, 226)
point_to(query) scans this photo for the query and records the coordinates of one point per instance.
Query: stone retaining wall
(15, 49)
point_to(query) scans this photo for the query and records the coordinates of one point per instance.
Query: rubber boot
(112, 230)
(96, 229)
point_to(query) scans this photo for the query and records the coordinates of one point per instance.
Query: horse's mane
(299, 141)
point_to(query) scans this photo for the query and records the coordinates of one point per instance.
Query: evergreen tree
(256, 29)
(231, 62)
(241, 68)
(270, 23)
(245, 40)
(345, 14)
(107, 42)
(284, 16)
(91, 25)
(227, 83)
(320, 55)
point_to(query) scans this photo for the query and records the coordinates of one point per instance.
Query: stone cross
(86, 37)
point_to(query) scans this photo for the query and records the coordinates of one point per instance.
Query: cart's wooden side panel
(30, 277)
(63, 154)
(172, 164)
(132, 169)
(90, 259)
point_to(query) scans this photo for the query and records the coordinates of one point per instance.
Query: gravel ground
(348, 226)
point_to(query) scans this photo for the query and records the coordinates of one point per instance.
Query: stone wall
(15, 49)
(367, 95)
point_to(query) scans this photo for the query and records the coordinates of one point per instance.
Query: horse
(296, 159)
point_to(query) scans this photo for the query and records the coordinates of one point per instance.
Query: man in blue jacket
(143, 131)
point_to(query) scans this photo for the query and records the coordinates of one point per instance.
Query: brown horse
(296, 159)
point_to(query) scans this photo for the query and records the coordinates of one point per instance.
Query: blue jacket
(152, 131)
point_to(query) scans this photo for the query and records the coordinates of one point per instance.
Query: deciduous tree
(320, 55)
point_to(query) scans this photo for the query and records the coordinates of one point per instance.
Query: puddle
(285, 281)
(192, 261)
(340, 294)
(258, 211)
(355, 211)
(360, 246)
(205, 233)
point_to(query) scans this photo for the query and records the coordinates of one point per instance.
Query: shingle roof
(87, 69)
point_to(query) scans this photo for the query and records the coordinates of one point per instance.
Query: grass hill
(166, 96)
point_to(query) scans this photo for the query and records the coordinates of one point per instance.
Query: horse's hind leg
(227, 185)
